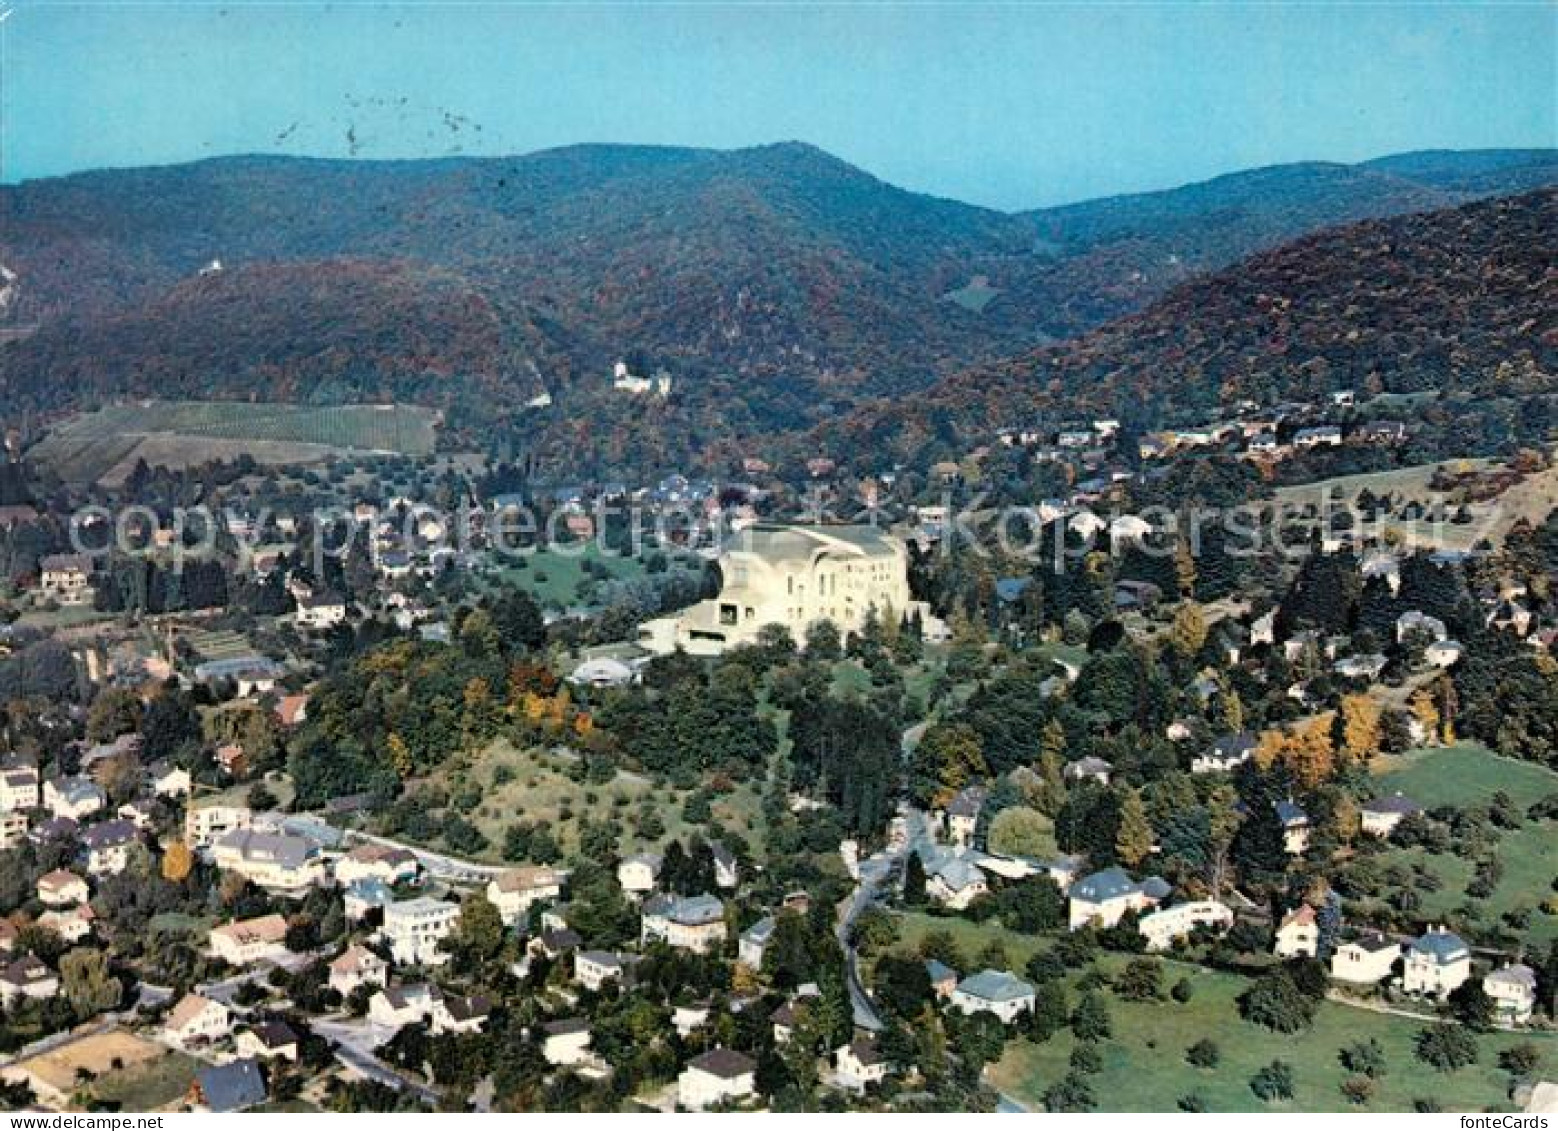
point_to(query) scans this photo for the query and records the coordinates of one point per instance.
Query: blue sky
(1008, 105)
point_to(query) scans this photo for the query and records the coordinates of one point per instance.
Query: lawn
(1468, 775)
(146, 1087)
(1144, 1066)
(553, 577)
(541, 792)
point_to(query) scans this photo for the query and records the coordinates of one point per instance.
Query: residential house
(1162, 929)
(859, 1064)
(1228, 753)
(107, 846)
(1103, 897)
(65, 578)
(592, 969)
(19, 787)
(1436, 964)
(638, 873)
(943, 979)
(208, 821)
(268, 1040)
(566, 1043)
(993, 991)
(235, 1086)
(727, 869)
(753, 942)
(516, 890)
(165, 779)
(245, 942)
(1366, 666)
(1365, 961)
(461, 1015)
(719, 1076)
(1324, 435)
(1295, 826)
(357, 966)
(688, 1017)
(1513, 990)
(197, 1019)
(60, 888)
(1298, 934)
(72, 924)
(27, 977)
(1089, 769)
(372, 861)
(231, 759)
(1380, 816)
(395, 1007)
(954, 881)
(695, 922)
(1444, 653)
(76, 798)
(1416, 623)
(283, 863)
(321, 611)
(415, 927)
(962, 814)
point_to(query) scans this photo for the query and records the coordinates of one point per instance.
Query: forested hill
(779, 286)
(1460, 300)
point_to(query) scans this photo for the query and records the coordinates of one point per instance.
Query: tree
(478, 933)
(1446, 1047)
(89, 986)
(1141, 980)
(948, 757)
(914, 880)
(1020, 831)
(177, 860)
(1071, 1092)
(1090, 1020)
(1473, 1007)
(1273, 1082)
(1134, 838)
(1360, 727)
(1426, 712)
(1276, 1002)
(1204, 1053)
(1364, 1058)
(1187, 635)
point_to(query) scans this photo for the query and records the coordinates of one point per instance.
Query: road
(354, 1045)
(450, 869)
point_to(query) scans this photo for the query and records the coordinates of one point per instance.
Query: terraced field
(104, 445)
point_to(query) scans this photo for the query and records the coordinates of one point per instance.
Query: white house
(1365, 961)
(859, 1064)
(753, 942)
(1162, 929)
(167, 780)
(1298, 935)
(388, 863)
(415, 927)
(72, 924)
(514, 891)
(207, 822)
(637, 874)
(107, 846)
(566, 1043)
(1381, 816)
(19, 787)
(268, 1040)
(1089, 769)
(592, 969)
(247, 941)
(1436, 964)
(60, 888)
(357, 966)
(283, 863)
(695, 922)
(1102, 898)
(395, 1007)
(77, 798)
(954, 881)
(1513, 990)
(320, 612)
(66, 578)
(197, 1018)
(993, 991)
(1227, 753)
(717, 1076)
(27, 977)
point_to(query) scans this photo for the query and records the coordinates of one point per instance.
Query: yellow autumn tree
(1188, 633)
(1311, 755)
(177, 861)
(1134, 838)
(1426, 712)
(1360, 726)
(399, 756)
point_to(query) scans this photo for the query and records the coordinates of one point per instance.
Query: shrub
(1204, 1053)
(1273, 1082)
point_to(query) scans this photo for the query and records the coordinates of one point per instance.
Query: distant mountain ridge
(779, 285)
(1460, 300)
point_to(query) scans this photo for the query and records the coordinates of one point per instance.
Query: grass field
(1144, 1066)
(540, 792)
(106, 444)
(552, 577)
(146, 1087)
(1469, 775)
(975, 296)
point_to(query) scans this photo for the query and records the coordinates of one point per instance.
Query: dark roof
(724, 1063)
(233, 1086)
(274, 1034)
(468, 1008)
(566, 1026)
(1395, 803)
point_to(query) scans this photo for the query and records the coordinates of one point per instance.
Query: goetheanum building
(792, 576)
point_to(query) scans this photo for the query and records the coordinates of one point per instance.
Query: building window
(727, 614)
